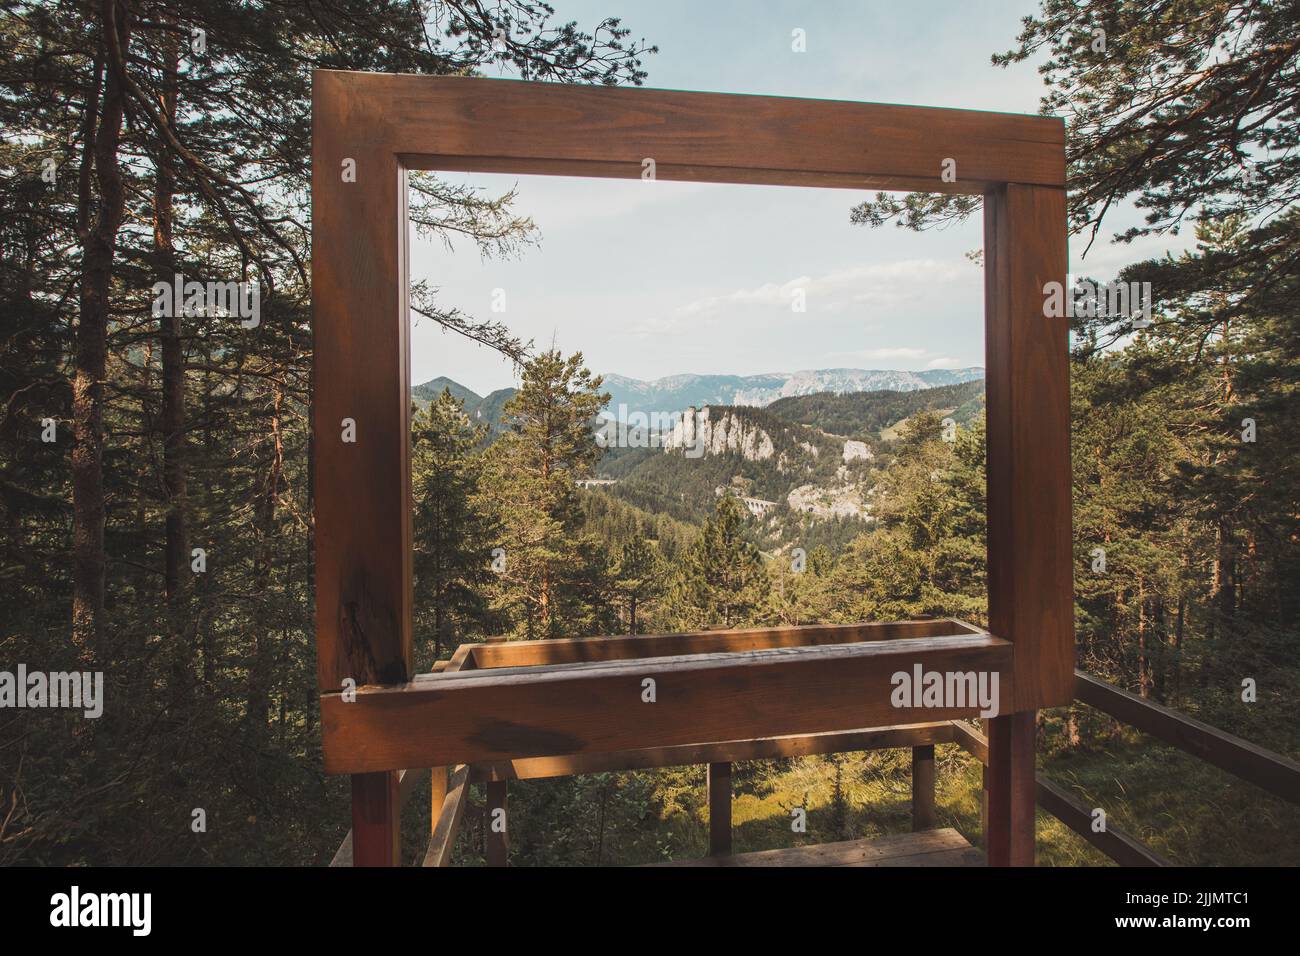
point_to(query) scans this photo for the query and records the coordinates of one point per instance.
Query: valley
(806, 464)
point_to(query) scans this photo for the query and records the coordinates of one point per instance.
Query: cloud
(944, 363)
(883, 284)
(892, 353)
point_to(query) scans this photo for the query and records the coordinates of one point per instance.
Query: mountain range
(799, 448)
(675, 393)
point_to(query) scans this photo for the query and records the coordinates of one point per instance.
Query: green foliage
(554, 580)
(722, 574)
(453, 529)
(862, 415)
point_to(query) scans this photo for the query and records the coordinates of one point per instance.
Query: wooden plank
(923, 815)
(970, 740)
(1009, 834)
(443, 839)
(690, 173)
(463, 659)
(1114, 842)
(495, 714)
(360, 372)
(728, 751)
(569, 129)
(495, 830)
(1030, 580)
(437, 795)
(944, 847)
(1273, 772)
(406, 782)
(376, 819)
(592, 649)
(719, 792)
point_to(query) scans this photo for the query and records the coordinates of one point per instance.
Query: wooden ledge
(491, 715)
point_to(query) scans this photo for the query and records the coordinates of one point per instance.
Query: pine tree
(548, 444)
(453, 531)
(639, 578)
(723, 570)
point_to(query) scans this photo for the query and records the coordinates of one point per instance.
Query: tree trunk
(259, 675)
(91, 354)
(176, 549)
(1144, 657)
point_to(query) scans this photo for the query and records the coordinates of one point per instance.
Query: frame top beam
(486, 125)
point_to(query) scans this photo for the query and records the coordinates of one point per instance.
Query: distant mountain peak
(431, 389)
(675, 393)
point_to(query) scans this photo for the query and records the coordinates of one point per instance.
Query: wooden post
(438, 795)
(376, 819)
(1009, 831)
(361, 401)
(1028, 502)
(496, 827)
(719, 809)
(923, 787)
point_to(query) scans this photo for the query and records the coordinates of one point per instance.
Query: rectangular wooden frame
(370, 129)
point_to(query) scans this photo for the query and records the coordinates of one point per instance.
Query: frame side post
(360, 394)
(1030, 574)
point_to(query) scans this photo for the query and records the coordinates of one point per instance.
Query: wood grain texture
(406, 782)
(1275, 773)
(590, 649)
(1030, 576)
(1012, 795)
(376, 819)
(944, 847)
(443, 839)
(437, 794)
(489, 715)
(360, 371)
(461, 123)
(728, 751)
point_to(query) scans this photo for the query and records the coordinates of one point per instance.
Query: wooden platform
(944, 847)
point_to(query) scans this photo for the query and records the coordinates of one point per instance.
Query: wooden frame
(369, 129)
(496, 714)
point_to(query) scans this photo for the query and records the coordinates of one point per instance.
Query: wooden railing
(1250, 762)
(1273, 772)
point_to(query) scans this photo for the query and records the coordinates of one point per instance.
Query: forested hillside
(863, 415)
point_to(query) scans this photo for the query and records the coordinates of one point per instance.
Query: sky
(649, 279)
